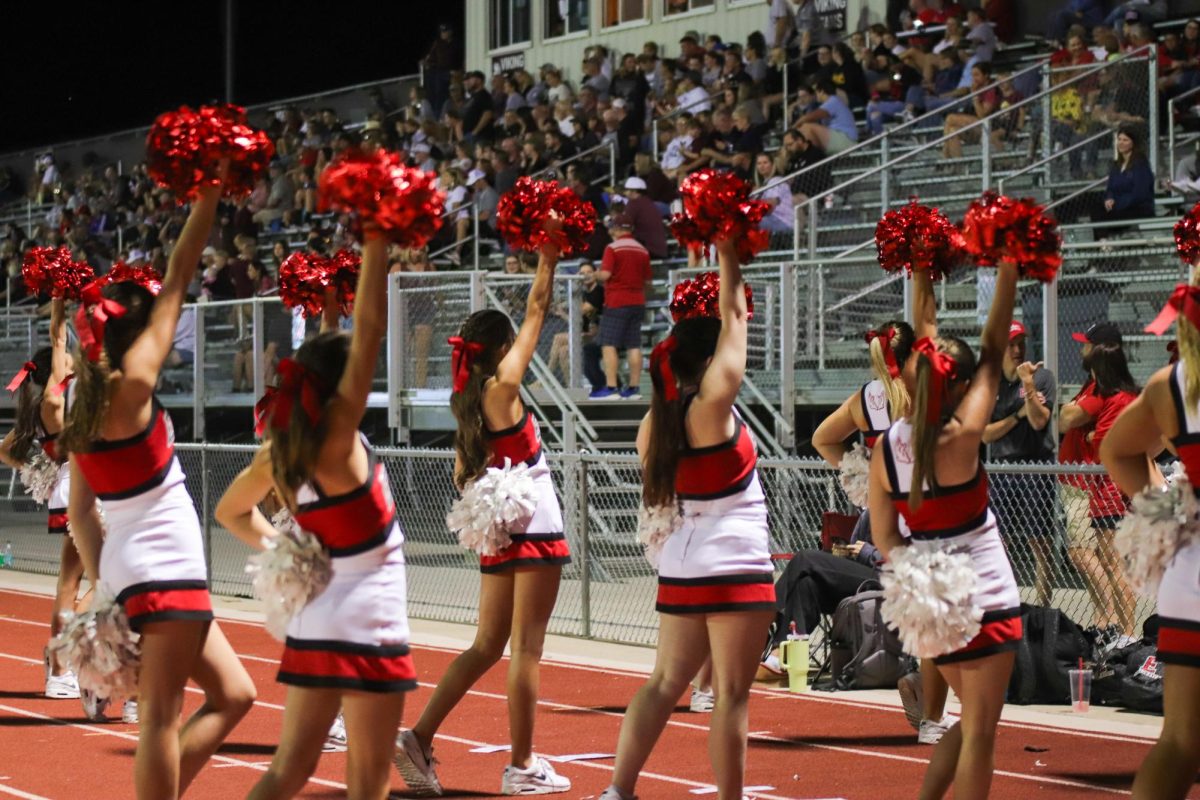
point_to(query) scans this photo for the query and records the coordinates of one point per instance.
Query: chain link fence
(608, 591)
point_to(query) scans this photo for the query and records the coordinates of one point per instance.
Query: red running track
(804, 746)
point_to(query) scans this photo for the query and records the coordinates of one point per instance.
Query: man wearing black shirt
(477, 117)
(444, 56)
(630, 85)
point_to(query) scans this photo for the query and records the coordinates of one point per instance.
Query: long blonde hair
(1189, 352)
(901, 346)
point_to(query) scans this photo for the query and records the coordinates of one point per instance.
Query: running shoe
(604, 393)
(129, 714)
(770, 670)
(540, 778)
(613, 793)
(910, 695)
(702, 701)
(335, 740)
(932, 732)
(416, 766)
(631, 393)
(94, 705)
(62, 687)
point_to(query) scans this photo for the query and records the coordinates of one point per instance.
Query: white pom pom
(40, 476)
(855, 475)
(928, 595)
(1161, 521)
(100, 648)
(655, 526)
(292, 570)
(493, 504)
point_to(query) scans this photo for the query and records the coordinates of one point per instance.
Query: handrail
(912, 122)
(984, 123)
(1171, 129)
(610, 145)
(1052, 157)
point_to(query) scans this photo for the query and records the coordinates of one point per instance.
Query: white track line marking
(18, 793)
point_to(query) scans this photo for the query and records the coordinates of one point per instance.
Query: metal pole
(574, 337)
(612, 163)
(820, 271)
(198, 390)
(257, 346)
(585, 569)
(395, 352)
(812, 229)
(1152, 116)
(1170, 139)
(786, 118)
(1047, 145)
(204, 510)
(1050, 339)
(787, 352)
(654, 138)
(475, 233)
(796, 228)
(228, 51)
(885, 189)
(986, 135)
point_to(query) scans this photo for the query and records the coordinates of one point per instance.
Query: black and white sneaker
(540, 778)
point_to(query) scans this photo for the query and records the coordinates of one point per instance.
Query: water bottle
(6, 558)
(794, 658)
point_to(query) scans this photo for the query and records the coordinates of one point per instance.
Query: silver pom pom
(1161, 521)
(655, 526)
(855, 475)
(495, 503)
(928, 596)
(40, 476)
(100, 648)
(292, 570)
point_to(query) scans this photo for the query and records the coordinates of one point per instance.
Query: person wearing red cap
(1093, 503)
(1020, 432)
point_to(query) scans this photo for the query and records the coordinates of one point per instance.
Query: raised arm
(510, 372)
(144, 359)
(370, 324)
(924, 305)
(331, 314)
(723, 379)
(975, 411)
(238, 508)
(60, 360)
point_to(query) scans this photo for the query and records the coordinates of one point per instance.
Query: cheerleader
(1169, 409)
(518, 585)
(348, 646)
(927, 485)
(151, 557)
(39, 420)
(716, 593)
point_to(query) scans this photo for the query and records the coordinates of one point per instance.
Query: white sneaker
(62, 687)
(537, 779)
(335, 740)
(932, 732)
(613, 793)
(910, 696)
(94, 705)
(416, 766)
(129, 714)
(702, 702)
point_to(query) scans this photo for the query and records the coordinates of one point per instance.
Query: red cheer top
(522, 443)
(353, 522)
(720, 470)
(124, 468)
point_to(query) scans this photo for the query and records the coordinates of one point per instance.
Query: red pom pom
(184, 149)
(145, 276)
(303, 278)
(523, 210)
(403, 203)
(717, 206)
(998, 228)
(343, 276)
(916, 237)
(50, 270)
(700, 297)
(1187, 236)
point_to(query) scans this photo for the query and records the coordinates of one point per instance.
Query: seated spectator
(646, 218)
(1177, 66)
(1129, 193)
(1007, 126)
(629, 84)
(691, 95)
(847, 76)
(478, 115)
(889, 93)
(943, 90)
(980, 32)
(734, 134)
(217, 282)
(595, 79)
(506, 174)
(1146, 12)
(659, 188)
(982, 105)
(281, 198)
(832, 125)
(1186, 180)
(183, 346)
(775, 191)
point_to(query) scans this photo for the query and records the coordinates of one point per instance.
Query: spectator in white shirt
(692, 95)
(776, 192)
(781, 24)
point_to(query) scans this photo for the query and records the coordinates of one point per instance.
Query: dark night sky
(73, 69)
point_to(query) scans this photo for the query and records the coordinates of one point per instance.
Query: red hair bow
(886, 337)
(296, 382)
(942, 369)
(1184, 300)
(28, 368)
(660, 362)
(462, 357)
(95, 310)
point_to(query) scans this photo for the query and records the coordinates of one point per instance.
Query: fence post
(1170, 139)
(585, 550)
(1050, 340)
(477, 296)
(204, 508)
(475, 233)
(885, 188)
(395, 354)
(786, 119)
(198, 390)
(986, 137)
(1047, 144)
(574, 337)
(1152, 116)
(654, 138)
(787, 353)
(812, 228)
(612, 163)
(256, 342)
(820, 315)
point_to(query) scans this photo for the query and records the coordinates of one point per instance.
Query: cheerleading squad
(93, 442)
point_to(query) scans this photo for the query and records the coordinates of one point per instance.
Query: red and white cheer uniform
(354, 635)
(1179, 591)
(719, 558)
(876, 409)
(541, 542)
(961, 520)
(61, 494)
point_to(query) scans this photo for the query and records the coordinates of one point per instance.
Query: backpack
(1142, 686)
(864, 653)
(1053, 643)
(1109, 675)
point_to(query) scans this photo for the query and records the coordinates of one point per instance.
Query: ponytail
(29, 392)
(889, 347)
(667, 435)
(1189, 353)
(897, 395)
(480, 345)
(924, 435)
(89, 403)
(470, 437)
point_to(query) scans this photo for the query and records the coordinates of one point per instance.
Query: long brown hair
(1189, 352)
(492, 329)
(89, 390)
(29, 405)
(925, 431)
(296, 444)
(695, 342)
(902, 342)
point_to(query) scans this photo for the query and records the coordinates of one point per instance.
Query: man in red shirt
(624, 271)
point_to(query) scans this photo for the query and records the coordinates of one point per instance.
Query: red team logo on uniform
(877, 401)
(903, 452)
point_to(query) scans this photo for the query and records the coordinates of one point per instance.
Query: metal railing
(1171, 128)
(675, 112)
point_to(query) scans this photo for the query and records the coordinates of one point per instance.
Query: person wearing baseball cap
(487, 199)
(1021, 432)
(647, 220)
(1099, 333)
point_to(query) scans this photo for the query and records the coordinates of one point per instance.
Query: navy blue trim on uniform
(728, 491)
(503, 566)
(159, 586)
(371, 543)
(352, 648)
(714, 608)
(956, 530)
(551, 536)
(352, 684)
(155, 481)
(488, 434)
(101, 445)
(720, 580)
(943, 491)
(1177, 396)
(324, 501)
(136, 623)
(688, 450)
(866, 412)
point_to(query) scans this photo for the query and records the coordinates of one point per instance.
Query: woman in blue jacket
(1129, 193)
